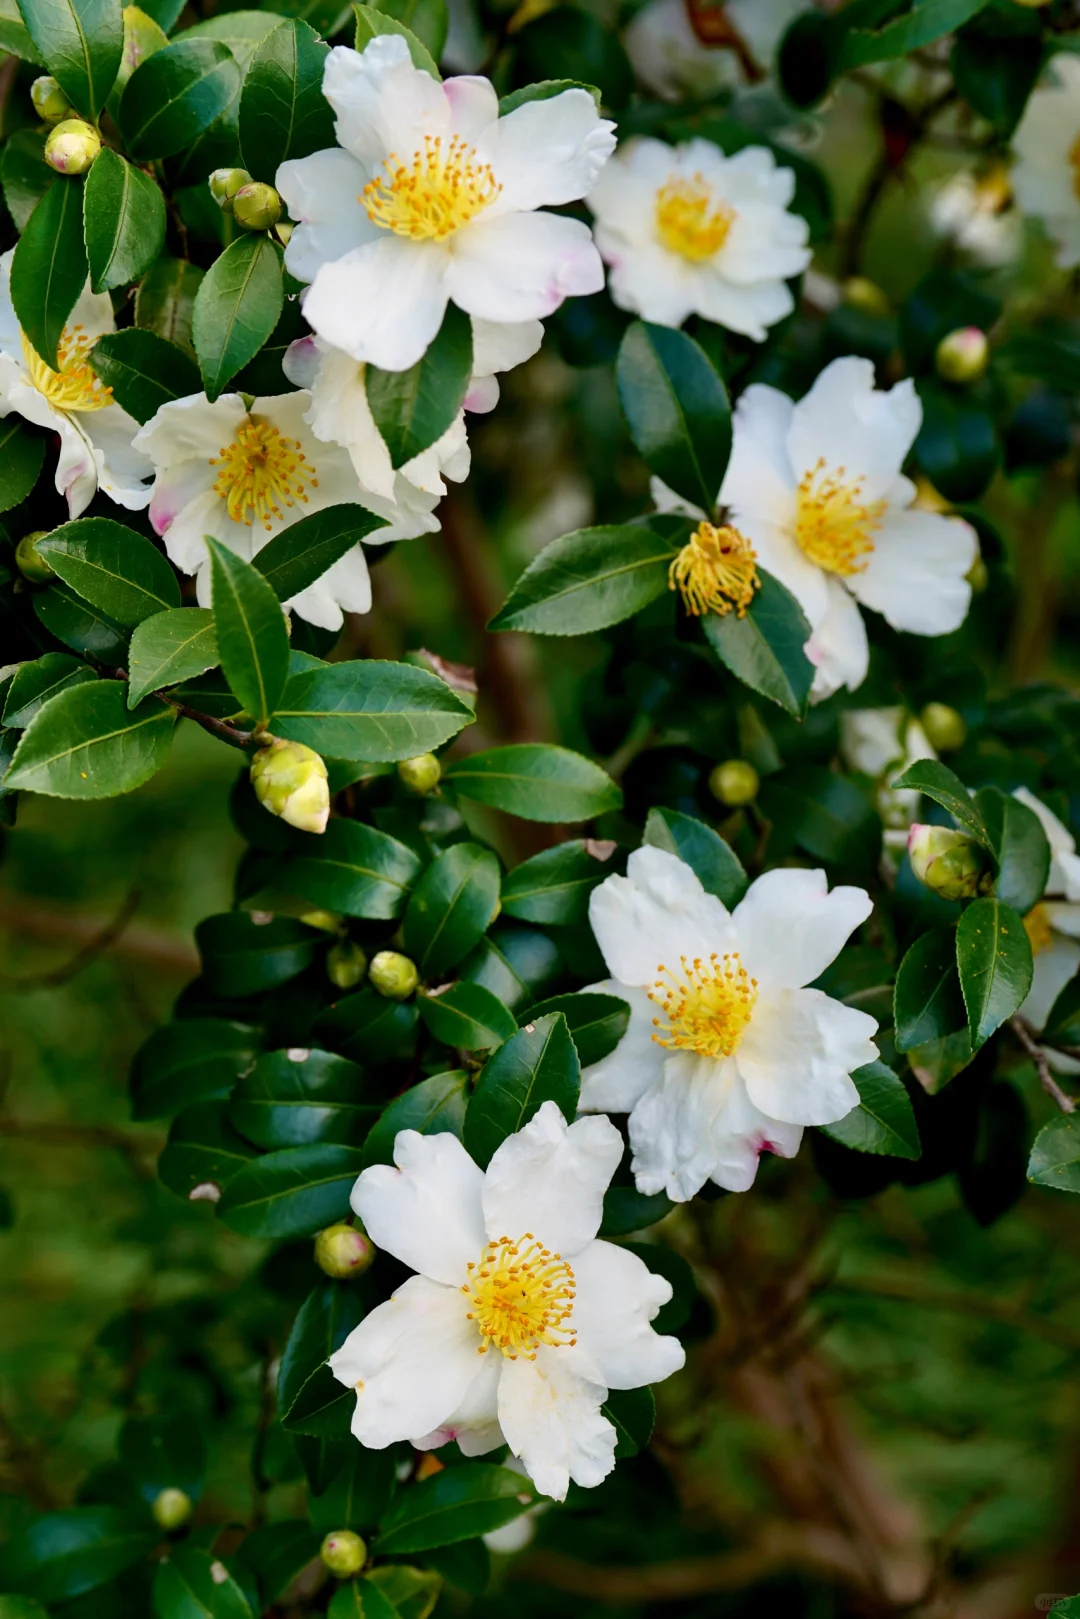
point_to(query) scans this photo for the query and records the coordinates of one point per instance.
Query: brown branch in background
(1042, 1067)
(154, 945)
(141, 1152)
(95, 946)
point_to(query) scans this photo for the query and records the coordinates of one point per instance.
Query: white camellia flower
(883, 742)
(95, 434)
(688, 231)
(1046, 174)
(519, 1321)
(727, 1054)
(672, 61)
(432, 198)
(1053, 926)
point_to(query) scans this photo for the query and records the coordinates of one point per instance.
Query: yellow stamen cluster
(432, 197)
(75, 386)
(522, 1296)
(262, 473)
(715, 571)
(1038, 929)
(706, 1005)
(690, 221)
(834, 528)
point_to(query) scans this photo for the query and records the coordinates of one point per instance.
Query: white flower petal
(322, 193)
(550, 152)
(778, 554)
(474, 1423)
(549, 1410)
(121, 468)
(520, 267)
(838, 647)
(550, 1178)
(654, 916)
(914, 576)
(617, 1296)
(474, 108)
(1053, 968)
(383, 302)
(382, 103)
(849, 424)
(790, 927)
(427, 1212)
(190, 429)
(799, 1052)
(760, 480)
(1064, 877)
(748, 310)
(617, 1081)
(1063, 918)
(345, 587)
(501, 345)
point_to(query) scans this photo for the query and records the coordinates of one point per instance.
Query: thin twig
(1042, 1066)
(244, 740)
(135, 1149)
(94, 947)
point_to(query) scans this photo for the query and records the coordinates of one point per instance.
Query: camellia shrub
(595, 1032)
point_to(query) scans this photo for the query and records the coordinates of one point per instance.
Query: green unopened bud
(171, 1508)
(944, 727)
(948, 861)
(346, 964)
(422, 774)
(734, 782)
(963, 355)
(28, 559)
(342, 1250)
(393, 975)
(344, 1553)
(290, 780)
(72, 146)
(224, 184)
(50, 102)
(256, 206)
(859, 293)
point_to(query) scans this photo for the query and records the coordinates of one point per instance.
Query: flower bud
(963, 355)
(256, 206)
(224, 184)
(346, 964)
(947, 861)
(72, 146)
(344, 1553)
(859, 293)
(420, 775)
(944, 727)
(393, 975)
(734, 782)
(290, 780)
(171, 1508)
(29, 561)
(342, 1251)
(50, 102)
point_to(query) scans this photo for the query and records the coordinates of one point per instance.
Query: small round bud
(346, 964)
(978, 576)
(393, 975)
(256, 206)
(734, 782)
(224, 184)
(947, 861)
(29, 561)
(963, 355)
(290, 780)
(50, 102)
(344, 1553)
(171, 1508)
(342, 1251)
(420, 775)
(72, 146)
(859, 293)
(944, 727)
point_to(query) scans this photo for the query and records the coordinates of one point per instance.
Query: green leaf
(203, 1149)
(429, 20)
(12, 1607)
(34, 683)
(830, 816)
(22, 454)
(883, 1121)
(538, 1064)
(370, 710)
(466, 1564)
(15, 39)
(434, 1107)
(192, 1060)
(546, 90)
(712, 859)
(1020, 848)
(355, 870)
(927, 1001)
(626, 1209)
(24, 173)
(85, 629)
(957, 446)
(359, 1492)
(995, 69)
(142, 37)
(280, 1551)
(927, 21)
(370, 23)
(457, 1504)
(596, 1022)
(993, 957)
(369, 1027)
(237, 306)
(554, 886)
(168, 648)
(81, 43)
(677, 409)
(113, 568)
(85, 744)
(253, 642)
(167, 1452)
(174, 95)
(413, 408)
(297, 1097)
(123, 221)
(144, 371)
(303, 552)
(765, 648)
(360, 1599)
(467, 1016)
(191, 1583)
(49, 269)
(291, 1193)
(632, 1413)
(283, 112)
(590, 579)
(323, 1322)
(165, 301)
(451, 907)
(1055, 1155)
(1062, 1027)
(938, 782)
(535, 781)
(63, 1554)
(245, 952)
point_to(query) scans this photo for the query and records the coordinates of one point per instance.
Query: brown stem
(1042, 1067)
(244, 740)
(95, 946)
(134, 1148)
(139, 943)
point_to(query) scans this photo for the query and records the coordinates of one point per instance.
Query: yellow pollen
(437, 193)
(706, 1005)
(1038, 929)
(522, 1296)
(832, 525)
(689, 221)
(715, 571)
(262, 472)
(75, 386)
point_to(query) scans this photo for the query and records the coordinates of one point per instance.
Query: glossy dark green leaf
(544, 91)
(244, 952)
(429, 20)
(174, 95)
(192, 1583)
(957, 446)
(323, 1322)
(712, 859)
(359, 1493)
(765, 648)
(435, 1106)
(237, 306)
(830, 816)
(569, 42)
(22, 455)
(626, 1209)
(112, 567)
(191, 1060)
(554, 886)
(354, 869)
(297, 1097)
(883, 1121)
(63, 1554)
(515, 962)
(360, 1599)
(590, 579)
(370, 23)
(49, 269)
(164, 1452)
(370, 710)
(467, 1016)
(995, 71)
(143, 35)
(1055, 1155)
(451, 907)
(413, 408)
(993, 957)
(165, 300)
(632, 1413)
(85, 743)
(15, 39)
(456, 1504)
(81, 43)
(85, 629)
(677, 410)
(24, 174)
(168, 648)
(203, 1150)
(34, 683)
(144, 370)
(369, 1028)
(1020, 847)
(322, 1409)
(280, 1551)
(535, 781)
(283, 112)
(941, 784)
(291, 1193)
(538, 1064)
(1062, 1027)
(596, 1022)
(123, 221)
(252, 639)
(927, 1001)
(303, 552)
(466, 1564)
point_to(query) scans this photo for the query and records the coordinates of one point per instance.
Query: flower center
(832, 525)
(75, 386)
(689, 222)
(262, 472)
(522, 1295)
(1038, 929)
(440, 190)
(706, 1005)
(715, 571)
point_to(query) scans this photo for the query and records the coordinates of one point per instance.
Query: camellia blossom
(95, 433)
(432, 198)
(1046, 174)
(883, 742)
(519, 1321)
(673, 61)
(1053, 926)
(727, 1054)
(688, 231)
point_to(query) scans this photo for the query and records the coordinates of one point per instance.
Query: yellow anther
(834, 528)
(715, 571)
(706, 1005)
(690, 221)
(433, 196)
(1038, 929)
(75, 386)
(262, 472)
(522, 1296)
